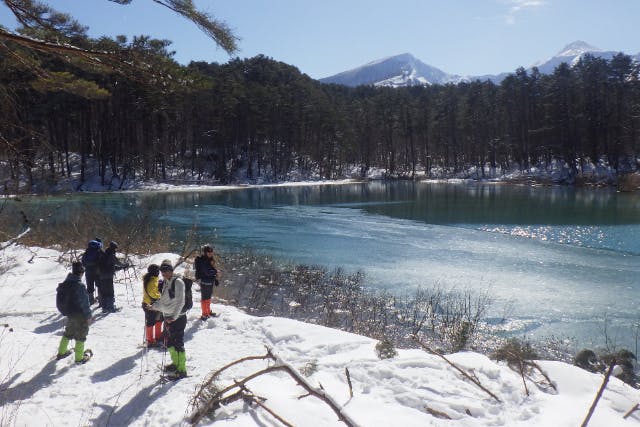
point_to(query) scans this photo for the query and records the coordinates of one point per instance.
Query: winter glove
(216, 282)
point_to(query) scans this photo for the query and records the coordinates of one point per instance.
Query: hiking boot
(63, 355)
(171, 368)
(204, 317)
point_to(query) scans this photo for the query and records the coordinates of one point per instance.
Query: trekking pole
(145, 353)
(165, 333)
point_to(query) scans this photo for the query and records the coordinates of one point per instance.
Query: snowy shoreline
(147, 187)
(120, 385)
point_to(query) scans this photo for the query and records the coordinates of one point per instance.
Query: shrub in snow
(587, 360)
(460, 336)
(385, 350)
(623, 359)
(264, 286)
(515, 351)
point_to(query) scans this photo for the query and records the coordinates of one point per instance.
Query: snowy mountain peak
(404, 57)
(578, 47)
(407, 70)
(398, 70)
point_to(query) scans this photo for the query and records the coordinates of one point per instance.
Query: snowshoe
(88, 354)
(62, 356)
(174, 376)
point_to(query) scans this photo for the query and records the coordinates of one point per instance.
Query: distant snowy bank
(120, 386)
(554, 173)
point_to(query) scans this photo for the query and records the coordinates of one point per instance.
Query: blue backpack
(91, 255)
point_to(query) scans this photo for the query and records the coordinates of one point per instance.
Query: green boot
(63, 350)
(79, 350)
(174, 360)
(181, 371)
(182, 363)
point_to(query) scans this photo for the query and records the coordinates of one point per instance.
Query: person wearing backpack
(89, 260)
(72, 301)
(173, 304)
(153, 324)
(108, 265)
(207, 277)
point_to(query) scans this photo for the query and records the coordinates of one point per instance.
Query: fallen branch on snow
(218, 399)
(607, 375)
(457, 368)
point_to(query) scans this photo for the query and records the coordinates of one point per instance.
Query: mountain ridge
(406, 70)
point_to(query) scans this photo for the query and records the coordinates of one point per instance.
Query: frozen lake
(565, 258)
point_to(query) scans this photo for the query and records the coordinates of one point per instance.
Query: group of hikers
(166, 300)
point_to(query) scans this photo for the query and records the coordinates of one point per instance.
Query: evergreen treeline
(263, 118)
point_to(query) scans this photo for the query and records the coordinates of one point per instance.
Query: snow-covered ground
(120, 385)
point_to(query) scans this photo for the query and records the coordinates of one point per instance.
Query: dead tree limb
(522, 368)
(437, 414)
(319, 393)
(346, 371)
(457, 368)
(543, 373)
(14, 239)
(607, 375)
(214, 402)
(631, 411)
(204, 386)
(260, 402)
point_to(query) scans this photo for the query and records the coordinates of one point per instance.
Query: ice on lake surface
(565, 258)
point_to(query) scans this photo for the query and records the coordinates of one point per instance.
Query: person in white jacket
(171, 305)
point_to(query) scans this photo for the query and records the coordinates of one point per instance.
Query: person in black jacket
(73, 300)
(109, 264)
(89, 260)
(207, 277)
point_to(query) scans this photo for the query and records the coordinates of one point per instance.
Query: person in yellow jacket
(152, 319)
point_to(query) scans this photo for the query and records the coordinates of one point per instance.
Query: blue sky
(324, 37)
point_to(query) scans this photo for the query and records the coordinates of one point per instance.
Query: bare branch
(259, 401)
(631, 411)
(607, 375)
(281, 365)
(456, 367)
(346, 371)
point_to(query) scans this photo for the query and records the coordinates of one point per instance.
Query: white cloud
(520, 6)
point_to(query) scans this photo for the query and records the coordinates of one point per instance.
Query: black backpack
(64, 298)
(188, 296)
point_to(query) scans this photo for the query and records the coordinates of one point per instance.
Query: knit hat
(77, 268)
(166, 265)
(153, 269)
